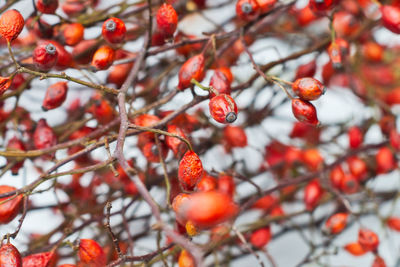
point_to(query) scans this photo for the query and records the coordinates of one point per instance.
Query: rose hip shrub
(193, 132)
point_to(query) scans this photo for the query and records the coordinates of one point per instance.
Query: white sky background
(337, 105)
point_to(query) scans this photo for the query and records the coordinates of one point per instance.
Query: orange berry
(91, 253)
(167, 19)
(190, 170)
(308, 88)
(355, 249)
(336, 223)
(11, 24)
(103, 58)
(73, 33)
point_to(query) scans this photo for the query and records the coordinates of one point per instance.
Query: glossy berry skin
(223, 108)
(44, 137)
(322, 5)
(190, 170)
(385, 160)
(355, 137)
(47, 6)
(11, 24)
(185, 259)
(393, 223)
(64, 58)
(208, 209)
(91, 253)
(10, 209)
(207, 183)
(103, 58)
(349, 184)
(45, 56)
(336, 176)
(308, 88)
(259, 238)
(336, 223)
(15, 144)
(167, 19)
(220, 83)
(9, 256)
(368, 239)
(38, 260)
(55, 95)
(114, 30)
(226, 185)
(304, 111)
(193, 68)
(73, 33)
(355, 249)
(391, 18)
(247, 10)
(266, 5)
(357, 167)
(312, 194)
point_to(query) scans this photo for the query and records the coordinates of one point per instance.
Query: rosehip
(373, 51)
(395, 139)
(247, 9)
(259, 238)
(312, 159)
(15, 144)
(73, 7)
(385, 160)
(45, 56)
(235, 136)
(73, 33)
(220, 83)
(102, 110)
(308, 88)
(193, 68)
(313, 193)
(324, 5)
(44, 137)
(11, 24)
(378, 262)
(84, 51)
(336, 176)
(349, 184)
(304, 111)
(391, 18)
(393, 223)
(43, 259)
(91, 253)
(355, 137)
(64, 58)
(47, 6)
(336, 223)
(55, 96)
(114, 30)
(9, 256)
(207, 183)
(226, 185)
(175, 144)
(355, 249)
(368, 240)
(357, 167)
(190, 170)
(150, 151)
(266, 5)
(5, 83)
(103, 58)
(223, 108)
(208, 209)
(306, 70)
(185, 259)
(167, 19)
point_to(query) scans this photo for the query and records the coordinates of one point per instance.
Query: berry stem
(11, 54)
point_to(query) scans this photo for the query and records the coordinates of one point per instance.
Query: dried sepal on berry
(114, 30)
(223, 108)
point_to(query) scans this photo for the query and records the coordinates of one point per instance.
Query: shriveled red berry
(208, 209)
(43, 259)
(45, 56)
(260, 237)
(356, 137)
(220, 83)
(322, 5)
(44, 136)
(190, 170)
(167, 19)
(91, 253)
(11, 24)
(103, 57)
(73, 33)
(312, 194)
(336, 223)
(247, 9)
(368, 239)
(193, 68)
(304, 111)
(223, 108)
(10, 209)
(308, 88)
(114, 30)
(391, 18)
(47, 6)
(15, 144)
(55, 95)
(9, 256)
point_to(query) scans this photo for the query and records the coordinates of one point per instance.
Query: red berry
(235, 136)
(247, 9)
(10, 209)
(64, 58)
(43, 259)
(306, 70)
(167, 19)
(355, 137)
(259, 238)
(11, 24)
(337, 176)
(103, 58)
(44, 137)
(220, 83)
(193, 68)
(312, 194)
(336, 223)
(349, 184)
(175, 144)
(55, 95)
(266, 5)
(207, 183)
(9, 256)
(47, 6)
(190, 170)
(355, 249)
(385, 160)
(322, 5)
(368, 239)
(304, 111)
(15, 144)
(72, 33)
(308, 88)
(391, 18)
(45, 56)
(73, 7)
(357, 167)
(223, 108)
(378, 262)
(91, 253)
(393, 223)
(185, 259)
(114, 30)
